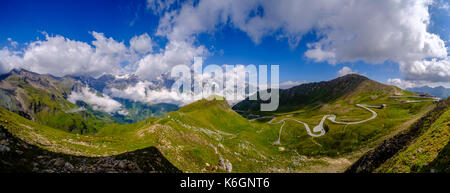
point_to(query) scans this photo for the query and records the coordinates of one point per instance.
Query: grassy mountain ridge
(348, 88)
(429, 151)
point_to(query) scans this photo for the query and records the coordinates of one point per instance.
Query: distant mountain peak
(353, 76)
(438, 91)
(21, 71)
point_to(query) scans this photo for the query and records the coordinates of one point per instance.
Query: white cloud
(123, 112)
(376, 31)
(204, 17)
(434, 70)
(12, 43)
(141, 92)
(289, 84)
(345, 70)
(141, 44)
(148, 92)
(415, 83)
(8, 60)
(318, 55)
(158, 6)
(401, 83)
(60, 56)
(443, 5)
(100, 102)
(108, 46)
(348, 31)
(175, 53)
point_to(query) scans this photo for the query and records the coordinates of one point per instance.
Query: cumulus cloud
(289, 84)
(318, 55)
(98, 101)
(141, 92)
(60, 56)
(402, 83)
(345, 70)
(348, 31)
(415, 83)
(175, 53)
(141, 44)
(9, 60)
(434, 70)
(147, 92)
(108, 46)
(203, 17)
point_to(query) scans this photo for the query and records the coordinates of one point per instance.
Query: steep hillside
(351, 88)
(415, 149)
(138, 111)
(429, 151)
(43, 98)
(187, 140)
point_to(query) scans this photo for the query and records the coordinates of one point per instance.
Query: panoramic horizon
(236, 89)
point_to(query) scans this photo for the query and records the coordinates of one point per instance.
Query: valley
(352, 114)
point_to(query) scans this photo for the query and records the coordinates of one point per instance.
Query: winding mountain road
(319, 128)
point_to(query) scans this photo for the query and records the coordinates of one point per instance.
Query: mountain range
(48, 100)
(329, 126)
(438, 91)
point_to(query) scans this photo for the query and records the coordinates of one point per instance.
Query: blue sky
(24, 22)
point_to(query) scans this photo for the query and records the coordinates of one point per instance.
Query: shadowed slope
(393, 148)
(20, 156)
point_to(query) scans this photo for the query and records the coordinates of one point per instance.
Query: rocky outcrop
(17, 155)
(225, 165)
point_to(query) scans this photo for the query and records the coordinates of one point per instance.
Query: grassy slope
(343, 139)
(424, 150)
(42, 97)
(197, 136)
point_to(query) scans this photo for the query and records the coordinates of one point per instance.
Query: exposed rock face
(17, 155)
(228, 166)
(225, 165)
